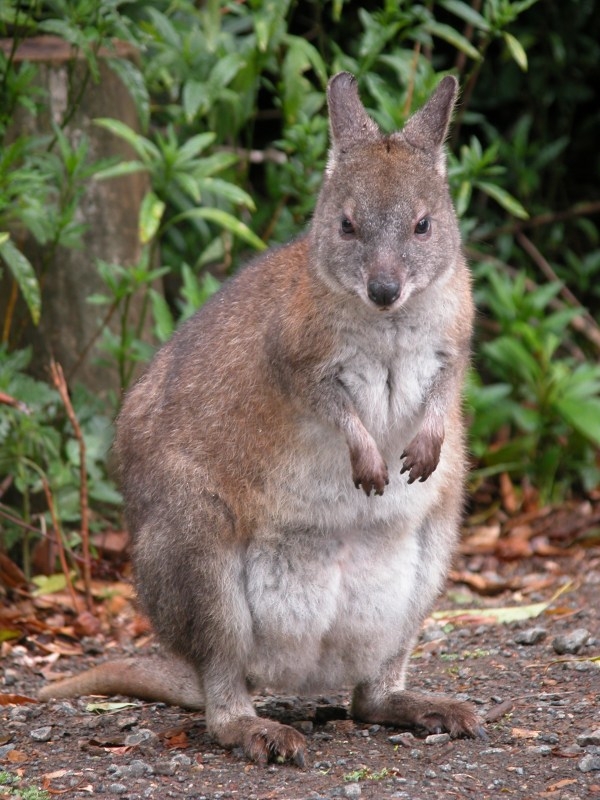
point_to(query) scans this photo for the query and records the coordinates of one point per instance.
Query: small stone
(41, 734)
(415, 753)
(405, 739)
(10, 677)
(181, 760)
(323, 765)
(139, 769)
(549, 738)
(433, 634)
(437, 738)
(127, 722)
(571, 642)
(143, 735)
(430, 773)
(305, 726)
(531, 636)
(117, 788)
(586, 739)
(540, 750)
(589, 763)
(352, 790)
(5, 750)
(374, 729)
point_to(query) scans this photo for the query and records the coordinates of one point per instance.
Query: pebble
(41, 734)
(117, 788)
(181, 760)
(586, 739)
(589, 763)
(352, 790)
(143, 735)
(437, 738)
(5, 750)
(531, 636)
(571, 642)
(405, 739)
(10, 677)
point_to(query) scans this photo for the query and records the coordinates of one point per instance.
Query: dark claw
(299, 759)
(481, 733)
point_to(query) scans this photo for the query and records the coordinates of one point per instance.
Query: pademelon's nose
(383, 291)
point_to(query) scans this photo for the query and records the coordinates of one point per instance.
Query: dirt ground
(541, 706)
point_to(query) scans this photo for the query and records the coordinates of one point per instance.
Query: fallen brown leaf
(15, 699)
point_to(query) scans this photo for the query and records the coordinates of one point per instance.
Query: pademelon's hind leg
(190, 575)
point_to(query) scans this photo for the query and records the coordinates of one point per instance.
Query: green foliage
(39, 453)
(233, 139)
(12, 787)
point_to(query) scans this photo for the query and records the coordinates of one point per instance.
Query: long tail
(158, 679)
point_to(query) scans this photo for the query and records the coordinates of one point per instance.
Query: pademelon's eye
(346, 226)
(423, 226)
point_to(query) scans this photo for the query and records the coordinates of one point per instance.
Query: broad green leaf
(516, 50)
(6, 634)
(223, 219)
(117, 170)
(48, 584)
(453, 37)
(194, 146)
(133, 81)
(151, 212)
(466, 13)
(503, 198)
(195, 96)
(24, 274)
(583, 415)
(145, 149)
(164, 324)
(228, 190)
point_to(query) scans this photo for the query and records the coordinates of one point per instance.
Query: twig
(580, 324)
(8, 400)
(58, 379)
(411, 85)
(59, 542)
(593, 330)
(549, 218)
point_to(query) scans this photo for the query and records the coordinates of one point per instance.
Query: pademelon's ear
(427, 128)
(348, 121)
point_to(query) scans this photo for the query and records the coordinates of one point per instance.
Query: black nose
(383, 291)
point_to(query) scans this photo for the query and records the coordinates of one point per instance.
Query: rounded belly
(328, 610)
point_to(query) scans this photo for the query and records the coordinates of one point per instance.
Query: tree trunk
(70, 326)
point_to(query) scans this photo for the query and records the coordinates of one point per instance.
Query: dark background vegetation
(232, 139)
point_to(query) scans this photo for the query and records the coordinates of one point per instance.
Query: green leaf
(583, 415)
(453, 37)
(24, 274)
(48, 584)
(503, 198)
(228, 190)
(117, 170)
(466, 13)
(516, 50)
(164, 324)
(193, 147)
(103, 708)
(151, 212)
(145, 149)
(195, 96)
(133, 80)
(223, 219)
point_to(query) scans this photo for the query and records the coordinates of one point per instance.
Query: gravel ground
(536, 684)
